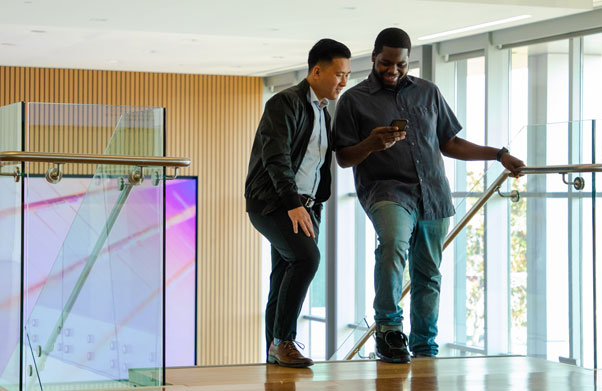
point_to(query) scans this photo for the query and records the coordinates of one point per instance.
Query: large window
(466, 188)
(592, 150)
(592, 76)
(539, 305)
(312, 324)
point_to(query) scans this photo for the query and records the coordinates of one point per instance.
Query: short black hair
(326, 50)
(392, 37)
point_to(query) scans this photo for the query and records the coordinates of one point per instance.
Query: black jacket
(278, 150)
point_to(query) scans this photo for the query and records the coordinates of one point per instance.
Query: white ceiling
(232, 37)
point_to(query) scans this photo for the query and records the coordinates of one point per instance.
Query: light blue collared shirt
(308, 176)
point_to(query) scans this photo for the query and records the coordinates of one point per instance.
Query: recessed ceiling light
(278, 57)
(348, 8)
(113, 61)
(98, 19)
(274, 29)
(7, 44)
(475, 27)
(38, 31)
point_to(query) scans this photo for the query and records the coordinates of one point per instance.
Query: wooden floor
(450, 374)
(443, 374)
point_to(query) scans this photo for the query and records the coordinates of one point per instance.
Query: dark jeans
(295, 260)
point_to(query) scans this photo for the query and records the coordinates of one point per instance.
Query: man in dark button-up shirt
(401, 184)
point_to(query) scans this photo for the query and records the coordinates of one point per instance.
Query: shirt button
(417, 161)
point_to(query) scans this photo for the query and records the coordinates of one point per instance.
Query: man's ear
(315, 72)
(373, 56)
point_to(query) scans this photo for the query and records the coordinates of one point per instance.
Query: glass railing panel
(468, 279)
(355, 333)
(11, 133)
(463, 266)
(542, 249)
(95, 267)
(549, 230)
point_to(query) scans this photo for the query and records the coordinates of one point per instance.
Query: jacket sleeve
(276, 131)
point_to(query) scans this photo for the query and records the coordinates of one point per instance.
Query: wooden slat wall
(212, 120)
(10, 119)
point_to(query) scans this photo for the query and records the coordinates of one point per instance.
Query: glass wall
(592, 109)
(466, 180)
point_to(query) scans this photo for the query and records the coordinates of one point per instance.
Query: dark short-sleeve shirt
(411, 173)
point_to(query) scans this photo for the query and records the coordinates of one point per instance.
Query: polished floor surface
(478, 373)
(443, 374)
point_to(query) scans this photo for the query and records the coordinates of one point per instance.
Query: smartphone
(400, 123)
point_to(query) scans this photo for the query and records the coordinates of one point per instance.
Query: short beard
(380, 78)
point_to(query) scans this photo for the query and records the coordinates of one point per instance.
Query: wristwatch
(502, 151)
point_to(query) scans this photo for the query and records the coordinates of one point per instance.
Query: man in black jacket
(288, 179)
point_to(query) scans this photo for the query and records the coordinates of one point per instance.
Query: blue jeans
(403, 235)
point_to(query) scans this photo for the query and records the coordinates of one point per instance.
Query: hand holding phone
(384, 137)
(400, 123)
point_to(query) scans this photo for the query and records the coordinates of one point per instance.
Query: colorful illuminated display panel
(50, 213)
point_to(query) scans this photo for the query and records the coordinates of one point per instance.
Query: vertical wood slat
(212, 120)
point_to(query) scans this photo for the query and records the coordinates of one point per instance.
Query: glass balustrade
(93, 252)
(97, 311)
(519, 277)
(11, 134)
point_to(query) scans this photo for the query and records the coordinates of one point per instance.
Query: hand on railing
(512, 164)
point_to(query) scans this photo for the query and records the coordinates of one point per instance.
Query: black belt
(307, 201)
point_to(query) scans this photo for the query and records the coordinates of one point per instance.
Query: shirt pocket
(423, 122)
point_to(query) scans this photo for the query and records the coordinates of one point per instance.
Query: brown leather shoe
(287, 355)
